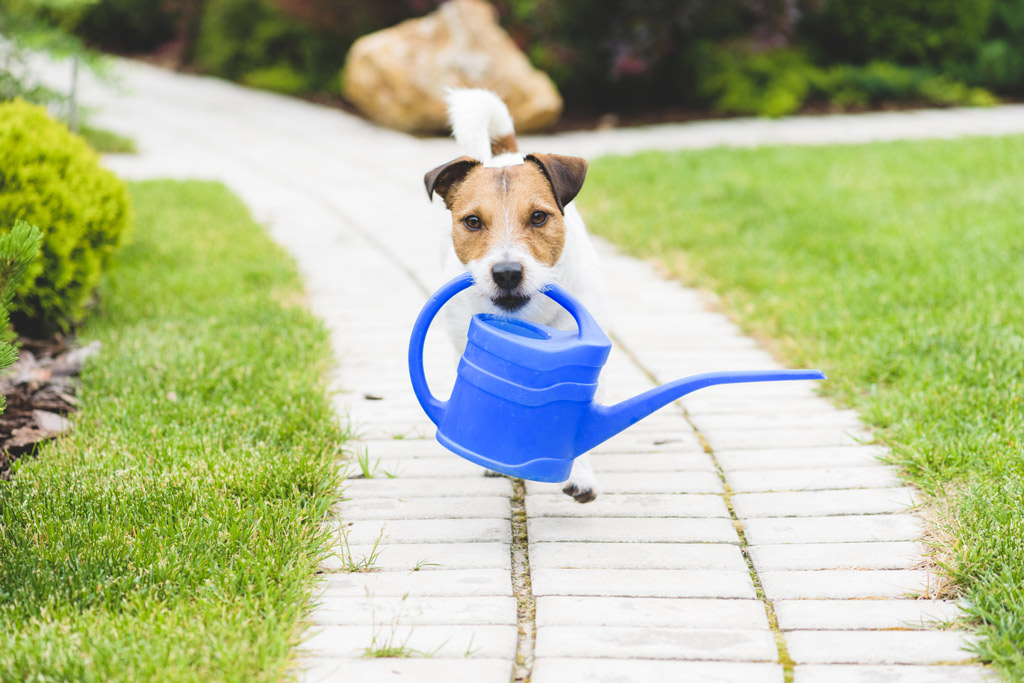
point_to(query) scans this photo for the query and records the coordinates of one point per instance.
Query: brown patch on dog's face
(514, 205)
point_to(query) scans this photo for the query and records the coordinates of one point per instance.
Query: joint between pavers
(785, 659)
(522, 587)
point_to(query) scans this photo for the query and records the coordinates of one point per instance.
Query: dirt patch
(41, 391)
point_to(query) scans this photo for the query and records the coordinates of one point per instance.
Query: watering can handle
(431, 405)
(588, 327)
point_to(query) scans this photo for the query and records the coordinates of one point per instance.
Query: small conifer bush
(50, 177)
(18, 249)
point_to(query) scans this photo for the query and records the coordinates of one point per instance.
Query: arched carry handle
(588, 327)
(431, 405)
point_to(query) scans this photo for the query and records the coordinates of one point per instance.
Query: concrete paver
(651, 581)
(730, 645)
(863, 614)
(559, 610)
(840, 673)
(879, 647)
(632, 670)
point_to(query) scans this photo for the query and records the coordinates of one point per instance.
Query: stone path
(746, 535)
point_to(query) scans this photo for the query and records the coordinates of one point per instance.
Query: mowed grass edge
(175, 534)
(899, 269)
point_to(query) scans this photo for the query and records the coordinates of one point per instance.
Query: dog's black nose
(507, 275)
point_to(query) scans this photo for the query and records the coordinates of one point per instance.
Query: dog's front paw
(581, 492)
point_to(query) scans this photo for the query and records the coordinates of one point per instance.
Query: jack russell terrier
(516, 229)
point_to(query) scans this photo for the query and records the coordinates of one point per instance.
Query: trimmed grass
(897, 268)
(175, 534)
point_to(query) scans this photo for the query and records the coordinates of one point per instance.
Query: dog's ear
(566, 175)
(442, 178)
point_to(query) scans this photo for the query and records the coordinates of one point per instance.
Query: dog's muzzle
(508, 275)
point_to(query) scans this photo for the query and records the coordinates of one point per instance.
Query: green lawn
(174, 536)
(898, 269)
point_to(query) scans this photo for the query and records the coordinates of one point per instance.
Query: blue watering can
(523, 402)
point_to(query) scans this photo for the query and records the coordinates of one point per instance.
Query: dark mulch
(40, 391)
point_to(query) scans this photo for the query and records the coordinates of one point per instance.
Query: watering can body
(523, 401)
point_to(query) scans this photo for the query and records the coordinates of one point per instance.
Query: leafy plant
(51, 178)
(738, 80)
(919, 32)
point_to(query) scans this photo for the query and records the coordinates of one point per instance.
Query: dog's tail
(481, 123)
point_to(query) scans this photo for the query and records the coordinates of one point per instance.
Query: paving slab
(423, 487)
(445, 641)
(842, 673)
(647, 530)
(404, 507)
(804, 479)
(827, 457)
(672, 583)
(455, 582)
(574, 610)
(656, 643)
(628, 505)
(426, 556)
(819, 503)
(866, 555)
(414, 611)
(567, 555)
(842, 583)
(367, 532)
(348, 670)
(562, 670)
(652, 462)
(843, 529)
(823, 615)
(803, 437)
(879, 647)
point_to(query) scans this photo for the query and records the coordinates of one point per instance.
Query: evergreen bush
(255, 41)
(51, 178)
(18, 249)
(128, 25)
(918, 32)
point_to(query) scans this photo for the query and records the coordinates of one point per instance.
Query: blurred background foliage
(767, 57)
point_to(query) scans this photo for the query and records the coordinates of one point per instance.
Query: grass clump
(174, 535)
(897, 269)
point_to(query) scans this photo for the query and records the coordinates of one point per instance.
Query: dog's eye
(472, 223)
(539, 218)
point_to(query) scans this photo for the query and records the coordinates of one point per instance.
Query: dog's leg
(582, 484)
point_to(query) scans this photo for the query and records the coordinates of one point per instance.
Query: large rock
(398, 76)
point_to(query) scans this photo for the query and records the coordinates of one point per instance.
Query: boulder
(398, 76)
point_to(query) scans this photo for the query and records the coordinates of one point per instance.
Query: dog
(516, 229)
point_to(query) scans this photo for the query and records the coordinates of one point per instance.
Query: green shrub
(246, 37)
(281, 78)
(50, 178)
(779, 82)
(127, 25)
(999, 62)
(773, 83)
(920, 32)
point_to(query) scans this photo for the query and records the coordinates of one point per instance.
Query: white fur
(477, 116)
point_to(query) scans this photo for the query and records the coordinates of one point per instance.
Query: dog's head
(508, 223)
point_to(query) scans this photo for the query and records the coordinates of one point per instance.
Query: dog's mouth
(510, 302)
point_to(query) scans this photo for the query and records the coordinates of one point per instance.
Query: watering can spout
(604, 422)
